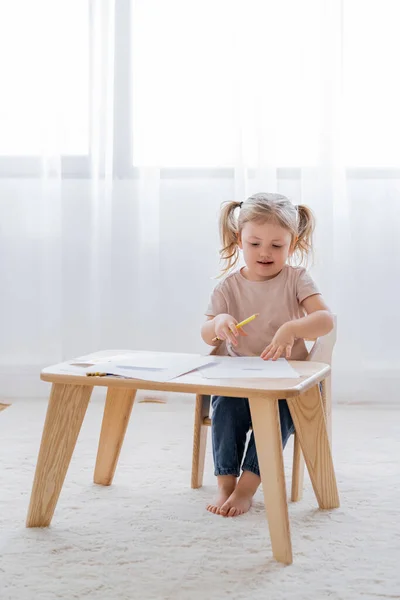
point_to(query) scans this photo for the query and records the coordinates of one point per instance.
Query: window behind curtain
(201, 68)
(191, 58)
(371, 54)
(44, 77)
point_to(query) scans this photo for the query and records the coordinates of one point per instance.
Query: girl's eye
(255, 244)
(275, 246)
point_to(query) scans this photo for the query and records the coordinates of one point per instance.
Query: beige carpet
(149, 536)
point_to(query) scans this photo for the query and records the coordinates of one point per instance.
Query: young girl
(270, 231)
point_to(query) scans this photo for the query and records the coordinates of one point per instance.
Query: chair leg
(326, 396)
(297, 471)
(298, 458)
(310, 423)
(199, 440)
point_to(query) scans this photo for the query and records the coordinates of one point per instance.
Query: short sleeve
(306, 286)
(217, 304)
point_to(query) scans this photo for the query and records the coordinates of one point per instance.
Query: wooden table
(70, 395)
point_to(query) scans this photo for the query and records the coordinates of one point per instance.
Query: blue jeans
(230, 422)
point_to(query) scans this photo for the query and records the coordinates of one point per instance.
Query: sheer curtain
(110, 240)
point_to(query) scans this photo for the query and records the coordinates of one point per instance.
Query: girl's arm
(318, 322)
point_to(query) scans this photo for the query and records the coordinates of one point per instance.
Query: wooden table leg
(267, 432)
(310, 424)
(202, 410)
(117, 411)
(65, 413)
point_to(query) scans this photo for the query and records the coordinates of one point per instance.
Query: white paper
(87, 361)
(151, 367)
(247, 367)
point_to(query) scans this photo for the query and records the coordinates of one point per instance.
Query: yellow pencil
(241, 324)
(96, 374)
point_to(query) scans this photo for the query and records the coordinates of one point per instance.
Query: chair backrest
(322, 349)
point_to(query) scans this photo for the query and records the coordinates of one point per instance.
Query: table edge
(206, 388)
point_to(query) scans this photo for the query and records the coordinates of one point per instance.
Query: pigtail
(229, 235)
(306, 226)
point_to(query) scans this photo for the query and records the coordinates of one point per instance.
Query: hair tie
(240, 204)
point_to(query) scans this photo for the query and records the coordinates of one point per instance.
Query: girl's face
(266, 248)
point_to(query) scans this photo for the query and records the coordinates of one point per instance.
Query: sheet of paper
(151, 367)
(86, 361)
(249, 368)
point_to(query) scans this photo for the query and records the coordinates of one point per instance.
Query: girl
(270, 231)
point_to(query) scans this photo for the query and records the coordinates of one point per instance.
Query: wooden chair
(321, 351)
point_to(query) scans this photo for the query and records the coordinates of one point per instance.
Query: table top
(311, 373)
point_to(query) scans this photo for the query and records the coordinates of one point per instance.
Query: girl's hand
(282, 343)
(225, 329)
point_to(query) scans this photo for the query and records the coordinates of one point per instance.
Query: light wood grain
(326, 394)
(309, 420)
(202, 409)
(321, 351)
(310, 374)
(66, 410)
(298, 458)
(117, 412)
(297, 471)
(268, 438)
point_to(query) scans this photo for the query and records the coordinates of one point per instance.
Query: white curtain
(118, 247)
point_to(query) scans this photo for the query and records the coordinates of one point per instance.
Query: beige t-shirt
(278, 300)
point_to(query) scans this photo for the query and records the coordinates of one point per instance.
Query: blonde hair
(266, 208)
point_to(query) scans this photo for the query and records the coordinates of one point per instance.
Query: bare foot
(239, 501)
(226, 485)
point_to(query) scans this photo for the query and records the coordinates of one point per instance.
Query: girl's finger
(230, 337)
(233, 328)
(278, 353)
(265, 352)
(271, 352)
(288, 351)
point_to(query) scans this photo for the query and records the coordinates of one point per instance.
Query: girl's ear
(293, 245)
(239, 241)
